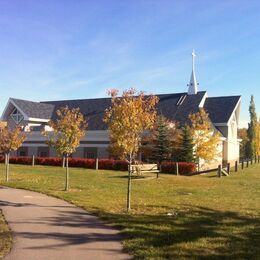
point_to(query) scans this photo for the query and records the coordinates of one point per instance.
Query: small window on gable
(17, 116)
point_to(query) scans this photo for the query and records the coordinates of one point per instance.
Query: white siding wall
(93, 139)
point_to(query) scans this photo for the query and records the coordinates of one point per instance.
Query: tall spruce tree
(250, 149)
(186, 146)
(162, 142)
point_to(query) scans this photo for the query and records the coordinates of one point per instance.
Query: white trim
(220, 124)
(7, 105)
(202, 102)
(11, 101)
(238, 103)
(18, 114)
(34, 145)
(38, 119)
(25, 117)
(33, 124)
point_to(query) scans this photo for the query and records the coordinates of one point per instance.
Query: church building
(34, 117)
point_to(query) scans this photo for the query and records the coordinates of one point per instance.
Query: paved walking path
(47, 228)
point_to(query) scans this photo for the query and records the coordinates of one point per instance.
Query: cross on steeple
(193, 85)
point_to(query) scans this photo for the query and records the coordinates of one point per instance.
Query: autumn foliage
(127, 118)
(205, 137)
(10, 140)
(67, 132)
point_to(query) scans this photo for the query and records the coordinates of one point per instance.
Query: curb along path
(48, 228)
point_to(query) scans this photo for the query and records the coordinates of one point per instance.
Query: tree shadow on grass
(196, 232)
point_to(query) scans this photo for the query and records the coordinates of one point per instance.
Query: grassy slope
(211, 217)
(5, 237)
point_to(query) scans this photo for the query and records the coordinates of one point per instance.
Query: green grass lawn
(5, 237)
(171, 217)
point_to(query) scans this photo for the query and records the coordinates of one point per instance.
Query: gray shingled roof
(35, 109)
(169, 107)
(94, 109)
(221, 108)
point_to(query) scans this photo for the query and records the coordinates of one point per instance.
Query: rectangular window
(90, 155)
(43, 151)
(22, 151)
(90, 152)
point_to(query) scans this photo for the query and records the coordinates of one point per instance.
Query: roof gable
(34, 109)
(220, 109)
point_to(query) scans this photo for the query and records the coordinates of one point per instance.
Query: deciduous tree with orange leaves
(127, 118)
(67, 132)
(205, 137)
(10, 140)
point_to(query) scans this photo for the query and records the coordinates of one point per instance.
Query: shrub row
(104, 164)
(184, 167)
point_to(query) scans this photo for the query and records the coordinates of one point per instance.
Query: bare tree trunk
(67, 173)
(5, 158)
(7, 167)
(63, 161)
(198, 164)
(159, 168)
(129, 184)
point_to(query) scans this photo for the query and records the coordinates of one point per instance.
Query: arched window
(17, 116)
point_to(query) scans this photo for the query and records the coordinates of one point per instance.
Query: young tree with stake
(127, 118)
(68, 130)
(10, 140)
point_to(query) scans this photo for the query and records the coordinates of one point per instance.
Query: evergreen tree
(186, 146)
(162, 142)
(250, 149)
(242, 134)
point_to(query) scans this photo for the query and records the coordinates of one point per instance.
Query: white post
(97, 164)
(33, 160)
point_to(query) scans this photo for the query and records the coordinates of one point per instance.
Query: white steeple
(193, 85)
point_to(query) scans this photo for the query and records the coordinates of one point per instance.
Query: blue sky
(78, 49)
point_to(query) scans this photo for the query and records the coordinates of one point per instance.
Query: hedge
(104, 164)
(184, 167)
